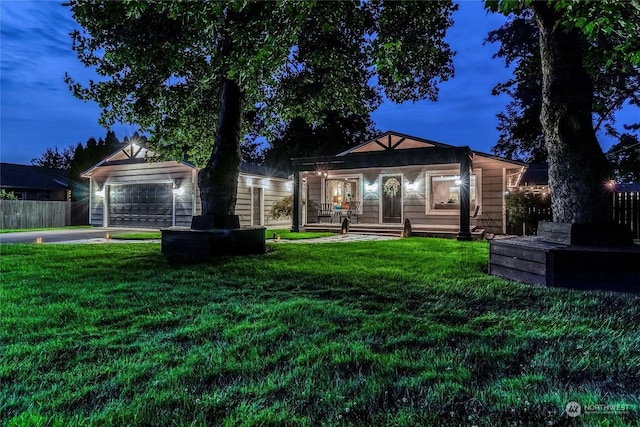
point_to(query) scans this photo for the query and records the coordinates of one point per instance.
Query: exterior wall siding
(138, 173)
(490, 175)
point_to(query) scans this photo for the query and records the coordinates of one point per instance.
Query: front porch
(418, 230)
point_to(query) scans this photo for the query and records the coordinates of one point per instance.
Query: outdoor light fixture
(371, 188)
(178, 191)
(458, 181)
(412, 186)
(265, 182)
(100, 193)
(288, 186)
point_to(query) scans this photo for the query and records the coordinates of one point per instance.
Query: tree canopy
(54, 159)
(192, 72)
(578, 168)
(616, 83)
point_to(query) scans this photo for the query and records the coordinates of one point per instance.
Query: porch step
(396, 230)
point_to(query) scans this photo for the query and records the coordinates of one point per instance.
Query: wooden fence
(626, 211)
(34, 214)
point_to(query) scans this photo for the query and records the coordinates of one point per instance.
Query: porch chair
(326, 211)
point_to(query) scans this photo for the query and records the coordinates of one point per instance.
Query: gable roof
(393, 141)
(139, 153)
(389, 141)
(33, 177)
(131, 153)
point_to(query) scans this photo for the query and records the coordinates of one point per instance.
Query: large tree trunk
(218, 181)
(578, 168)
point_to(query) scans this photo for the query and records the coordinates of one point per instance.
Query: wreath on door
(391, 187)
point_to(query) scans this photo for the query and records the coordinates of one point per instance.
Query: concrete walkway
(69, 235)
(341, 238)
(98, 235)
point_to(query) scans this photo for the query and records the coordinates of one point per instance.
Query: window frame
(429, 210)
(342, 177)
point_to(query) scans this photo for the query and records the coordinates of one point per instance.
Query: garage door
(141, 205)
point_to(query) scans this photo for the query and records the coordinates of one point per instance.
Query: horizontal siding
(491, 197)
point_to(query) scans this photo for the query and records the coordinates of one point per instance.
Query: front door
(392, 199)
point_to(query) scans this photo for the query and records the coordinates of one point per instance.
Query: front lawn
(401, 332)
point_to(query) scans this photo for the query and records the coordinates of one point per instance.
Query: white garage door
(141, 205)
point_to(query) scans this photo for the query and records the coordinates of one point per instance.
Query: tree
(301, 139)
(165, 63)
(54, 159)
(521, 136)
(625, 158)
(87, 156)
(578, 168)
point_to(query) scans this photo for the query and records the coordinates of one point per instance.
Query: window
(339, 191)
(444, 192)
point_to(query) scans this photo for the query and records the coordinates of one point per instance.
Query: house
(130, 189)
(443, 190)
(35, 182)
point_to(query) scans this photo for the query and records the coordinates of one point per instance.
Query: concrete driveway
(66, 235)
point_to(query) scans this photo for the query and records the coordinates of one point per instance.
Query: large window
(444, 192)
(340, 191)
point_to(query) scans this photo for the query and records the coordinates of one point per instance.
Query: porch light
(100, 193)
(288, 186)
(371, 187)
(178, 191)
(265, 182)
(611, 184)
(458, 181)
(412, 186)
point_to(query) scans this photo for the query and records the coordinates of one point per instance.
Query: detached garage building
(129, 190)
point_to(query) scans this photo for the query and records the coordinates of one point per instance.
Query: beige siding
(274, 189)
(137, 173)
(491, 213)
(491, 198)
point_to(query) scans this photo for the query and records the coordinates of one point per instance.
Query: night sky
(38, 111)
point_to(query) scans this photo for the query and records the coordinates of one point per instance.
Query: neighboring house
(35, 182)
(129, 189)
(395, 177)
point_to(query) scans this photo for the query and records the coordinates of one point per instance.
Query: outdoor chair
(326, 211)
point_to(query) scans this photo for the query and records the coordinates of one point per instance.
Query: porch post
(297, 190)
(465, 165)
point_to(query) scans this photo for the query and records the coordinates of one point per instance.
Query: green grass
(288, 235)
(23, 230)
(403, 332)
(144, 235)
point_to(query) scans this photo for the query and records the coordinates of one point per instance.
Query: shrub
(7, 195)
(283, 208)
(527, 208)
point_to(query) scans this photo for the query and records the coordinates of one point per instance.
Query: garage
(141, 205)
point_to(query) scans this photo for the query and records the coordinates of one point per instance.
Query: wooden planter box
(553, 258)
(186, 244)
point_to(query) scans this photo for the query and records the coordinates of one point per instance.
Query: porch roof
(390, 158)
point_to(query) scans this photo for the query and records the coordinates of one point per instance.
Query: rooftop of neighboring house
(32, 177)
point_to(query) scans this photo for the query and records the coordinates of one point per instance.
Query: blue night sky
(38, 111)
